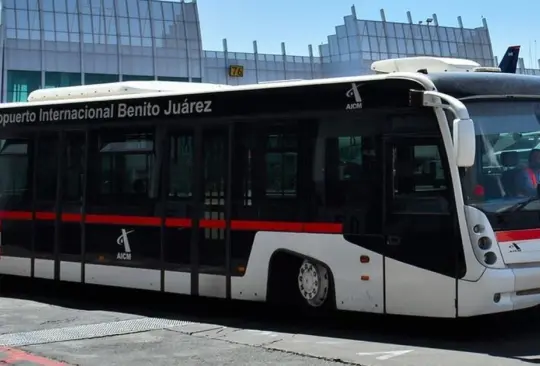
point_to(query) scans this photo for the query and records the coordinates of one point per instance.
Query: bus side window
(122, 165)
(348, 174)
(420, 181)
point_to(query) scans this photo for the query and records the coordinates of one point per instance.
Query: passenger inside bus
(528, 178)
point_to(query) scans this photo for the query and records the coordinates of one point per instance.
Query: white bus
(364, 193)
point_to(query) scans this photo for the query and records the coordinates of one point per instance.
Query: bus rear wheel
(314, 283)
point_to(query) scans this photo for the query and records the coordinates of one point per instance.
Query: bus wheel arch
(297, 279)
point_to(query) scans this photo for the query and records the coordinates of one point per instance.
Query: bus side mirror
(464, 142)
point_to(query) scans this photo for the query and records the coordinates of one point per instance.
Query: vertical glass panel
(167, 10)
(390, 32)
(410, 47)
(380, 29)
(45, 5)
(190, 14)
(354, 45)
(427, 48)
(123, 26)
(98, 24)
(374, 44)
(73, 23)
(407, 28)
(110, 26)
(32, 4)
(121, 9)
(371, 28)
(341, 31)
(33, 20)
(48, 21)
(445, 50)
(60, 6)
(350, 23)
(402, 47)
(134, 27)
(9, 18)
(22, 19)
(400, 33)
(155, 10)
(392, 45)
(71, 6)
(158, 28)
(87, 24)
(61, 22)
(382, 44)
(145, 28)
(133, 8)
(143, 10)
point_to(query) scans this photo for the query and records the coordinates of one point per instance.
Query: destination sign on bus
(50, 114)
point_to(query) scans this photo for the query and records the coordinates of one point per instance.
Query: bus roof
(457, 83)
(121, 88)
(149, 89)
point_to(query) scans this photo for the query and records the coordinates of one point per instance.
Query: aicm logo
(123, 240)
(354, 93)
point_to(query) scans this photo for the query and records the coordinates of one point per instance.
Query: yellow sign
(236, 71)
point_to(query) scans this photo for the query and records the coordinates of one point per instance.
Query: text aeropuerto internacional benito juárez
(111, 111)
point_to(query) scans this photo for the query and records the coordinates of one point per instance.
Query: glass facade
(71, 42)
(52, 43)
(357, 43)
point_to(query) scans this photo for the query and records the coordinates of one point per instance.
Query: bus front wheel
(313, 283)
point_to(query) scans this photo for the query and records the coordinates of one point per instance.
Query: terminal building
(57, 43)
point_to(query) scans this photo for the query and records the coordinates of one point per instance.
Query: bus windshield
(504, 178)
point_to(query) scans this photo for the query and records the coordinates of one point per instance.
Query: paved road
(49, 331)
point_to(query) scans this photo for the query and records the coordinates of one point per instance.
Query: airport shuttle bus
(391, 193)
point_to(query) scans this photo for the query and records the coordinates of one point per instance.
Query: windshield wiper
(520, 205)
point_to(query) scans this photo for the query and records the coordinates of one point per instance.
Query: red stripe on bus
(517, 235)
(240, 225)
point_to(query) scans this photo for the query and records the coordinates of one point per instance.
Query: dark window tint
(281, 162)
(74, 150)
(420, 178)
(16, 159)
(48, 151)
(181, 165)
(14, 167)
(123, 165)
(347, 167)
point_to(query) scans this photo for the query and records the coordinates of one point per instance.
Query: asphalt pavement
(44, 326)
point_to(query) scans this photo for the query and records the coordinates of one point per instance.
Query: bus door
(422, 236)
(47, 154)
(209, 249)
(70, 230)
(195, 233)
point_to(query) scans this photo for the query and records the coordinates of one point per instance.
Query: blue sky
(301, 22)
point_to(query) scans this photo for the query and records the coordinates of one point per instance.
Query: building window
(21, 83)
(100, 78)
(61, 79)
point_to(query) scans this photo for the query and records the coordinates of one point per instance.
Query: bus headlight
(490, 258)
(485, 243)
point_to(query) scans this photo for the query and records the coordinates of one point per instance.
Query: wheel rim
(313, 283)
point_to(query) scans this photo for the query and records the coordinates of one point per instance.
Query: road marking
(385, 355)
(10, 356)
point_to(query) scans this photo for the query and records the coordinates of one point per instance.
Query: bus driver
(528, 179)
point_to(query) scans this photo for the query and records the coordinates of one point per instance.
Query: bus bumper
(500, 290)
